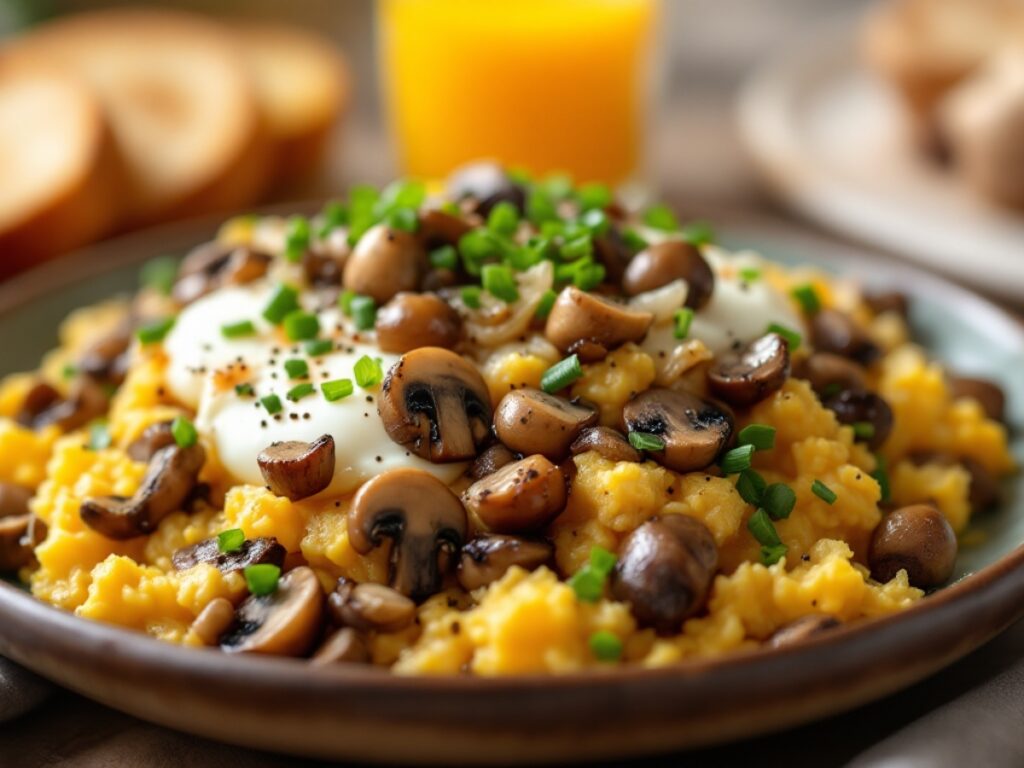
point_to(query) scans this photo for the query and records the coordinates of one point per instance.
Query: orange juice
(546, 85)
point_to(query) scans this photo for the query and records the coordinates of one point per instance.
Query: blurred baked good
(302, 86)
(60, 179)
(180, 102)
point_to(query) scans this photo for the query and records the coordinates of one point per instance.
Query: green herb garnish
(823, 492)
(184, 432)
(336, 389)
(156, 331)
(262, 579)
(645, 441)
(231, 540)
(761, 436)
(368, 372)
(561, 374)
(238, 330)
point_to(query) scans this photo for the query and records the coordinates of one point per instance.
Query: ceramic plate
(365, 714)
(832, 142)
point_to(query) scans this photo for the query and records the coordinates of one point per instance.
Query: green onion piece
(762, 528)
(300, 391)
(567, 272)
(540, 207)
(503, 219)
(577, 247)
(363, 200)
(778, 501)
(296, 238)
(807, 297)
(445, 257)
(244, 389)
(334, 214)
(863, 430)
(751, 487)
(318, 347)
(283, 300)
(336, 389)
(238, 330)
(750, 274)
(699, 233)
(404, 219)
(479, 246)
(470, 296)
(499, 282)
(368, 372)
(661, 217)
(645, 441)
(99, 435)
(345, 301)
(262, 579)
(761, 436)
(596, 221)
(154, 332)
(591, 196)
(587, 584)
(69, 371)
(823, 492)
(881, 476)
(792, 337)
(159, 274)
(737, 460)
(231, 540)
(364, 312)
(558, 185)
(682, 319)
(272, 403)
(561, 374)
(529, 255)
(300, 325)
(602, 561)
(296, 368)
(547, 301)
(184, 432)
(589, 276)
(633, 240)
(606, 646)
(772, 554)
(403, 193)
(451, 207)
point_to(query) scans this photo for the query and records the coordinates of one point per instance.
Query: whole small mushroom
(608, 442)
(752, 374)
(486, 559)
(665, 262)
(344, 646)
(286, 622)
(530, 421)
(153, 438)
(827, 372)
(370, 607)
(214, 620)
(693, 430)
(385, 261)
(917, 539)
(864, 410)
(519, 497)
(835, 332)
(413, 320)
(298, 470)
(590, 325)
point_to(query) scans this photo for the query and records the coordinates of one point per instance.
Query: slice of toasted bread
(302, 85)
(179, 98)
(58, 166)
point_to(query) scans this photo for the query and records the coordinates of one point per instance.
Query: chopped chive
(445, 257)
(296, 238)
(238, 330)
(661, 217)
(591, 196)
(300, 325)
(737, 460)
(770, 555)
(596, 221)
(231, 540)
(296, 368)
(540, 207)
(498, 281)
(159, 274)
(262, 578)
(761, 436)
(364, 312)
(606, 646)
(470, 296)
(567, 272)
(368, 372)
(750, 274)
(645, 441)
(823, 492)
(751, 487)
(334, 214)
(283, 300)
(577, 247)
(807, 297)
(69, 371)
(272, 403)
(587, 584)
(336, 389)
(558, 185)
(863, 430)
(300, 391)
(156, 331)
(318, 347)
(184, 432)
(589, 276)
(345, 301)
(244, 390)
(881, 476)
(699, 233)
(761, 527)
(547, 301)
(792, 337)
(404, 219)
(99, 435)
(633, 240)
(602, 561)
(503, 219)
(778, 501)
(682, 319)
(561, 374)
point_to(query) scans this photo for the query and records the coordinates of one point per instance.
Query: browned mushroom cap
(17, 537)
(606, 441)
(286, 622)
(833, 331)
(802, 629)
(490, 461)
(519, 497)
(436, 404)
(297, 470)
(44, 405)
(487, 558)
(423, 519)
(694, 430)
(212, 265)
(487, 184)
(591, 325)
(664, 571)
(612, 251)
(342, 647)
(107, 358)
(662, 263)
(165, 488)
(754, 373)
(888, 301)
(858, 407)
(439, 228)
(413, 320)
(214, 620)
(153, 438)
(828, 373)
(264, 549)
(322, 268)
(531, 421)
(384, 262)
(369, 607)
(917, 539)
(988, 394)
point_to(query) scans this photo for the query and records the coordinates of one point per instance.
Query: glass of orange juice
(544, 85)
